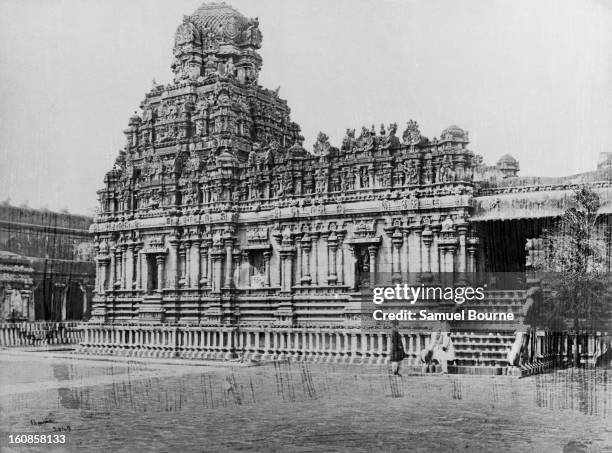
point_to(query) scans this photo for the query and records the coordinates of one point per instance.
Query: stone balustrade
(39, 333)
(257, 343)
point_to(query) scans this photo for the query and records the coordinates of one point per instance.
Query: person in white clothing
(443, 350)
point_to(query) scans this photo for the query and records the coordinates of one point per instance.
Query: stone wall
(59, 249)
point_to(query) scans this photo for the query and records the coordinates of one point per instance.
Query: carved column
(315, 258)
(195, 263)
(217, 272)
(340, 272)
(299, 268)
(172, 280)
(112, 270)
(182, 264)
(472, 247)
(462, 250)
(405, 254)
(160, 272)
(119, 266)
(353, 261)
(237, 257)
(427, 237)
(372, 250)
(204, 263)
(332, 247)
(267, 255)
(103, 262)
(287, 256)
(436, 253)
(138, 257)
(396, 244)
(228, 262)
(124, 260)
(305, 244)
(417, 251)
(129, 267)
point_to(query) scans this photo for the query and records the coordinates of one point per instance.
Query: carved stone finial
(412, 135)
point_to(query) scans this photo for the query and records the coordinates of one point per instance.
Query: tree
(573, 263)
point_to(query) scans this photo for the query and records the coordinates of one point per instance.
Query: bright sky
(529, 78)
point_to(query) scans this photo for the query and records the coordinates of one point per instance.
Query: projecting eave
(539, 202)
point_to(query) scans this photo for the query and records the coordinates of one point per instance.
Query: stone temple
(220, 234)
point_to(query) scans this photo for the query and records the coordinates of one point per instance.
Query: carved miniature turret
(508, 166)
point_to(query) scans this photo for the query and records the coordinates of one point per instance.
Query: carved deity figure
(349, 140)
(412, 135)
(321, 146)
(252, 35)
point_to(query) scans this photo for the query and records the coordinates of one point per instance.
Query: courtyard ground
(107, 405)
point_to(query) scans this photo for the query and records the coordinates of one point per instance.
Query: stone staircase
(482, 353)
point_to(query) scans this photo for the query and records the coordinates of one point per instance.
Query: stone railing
(257, 343)
(39, 333)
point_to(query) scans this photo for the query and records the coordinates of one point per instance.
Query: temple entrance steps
(482, 349)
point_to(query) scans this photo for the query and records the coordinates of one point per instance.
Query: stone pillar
(188, 266)
(298, 264)
(209, 265)
(427, 237)
(353, 260)
(195, 264)
(228, 263)
(204, 264)
(129, 267)
(119, 267)
(472, 248)
(124, 267)
(287, 260)
(340, 271)
(372, 250)
(450, 260)
(306, 246)
(396, 244)
(112, 270)
(237, 256)
(172, 268)
(315, 258)
(435, 252)
(160, 272)
(416, 250)
(462, 250)
(267, 256)
(144, 272)
(103, 262)
(405, 252)
(217, 272)
(138, 257)
(332, 247)
(182, 264)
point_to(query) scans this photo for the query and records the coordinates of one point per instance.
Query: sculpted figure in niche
(447, 224)
(230, 69)
(390, 140)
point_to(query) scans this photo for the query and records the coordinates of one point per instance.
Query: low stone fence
(300, 344)
(39, 333)
(474, 350)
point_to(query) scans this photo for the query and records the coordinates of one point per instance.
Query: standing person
(444, 351)
(396, 354)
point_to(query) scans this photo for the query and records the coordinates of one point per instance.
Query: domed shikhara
(221, 20)
(454, 133)
(214, 135)
(217, 36)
